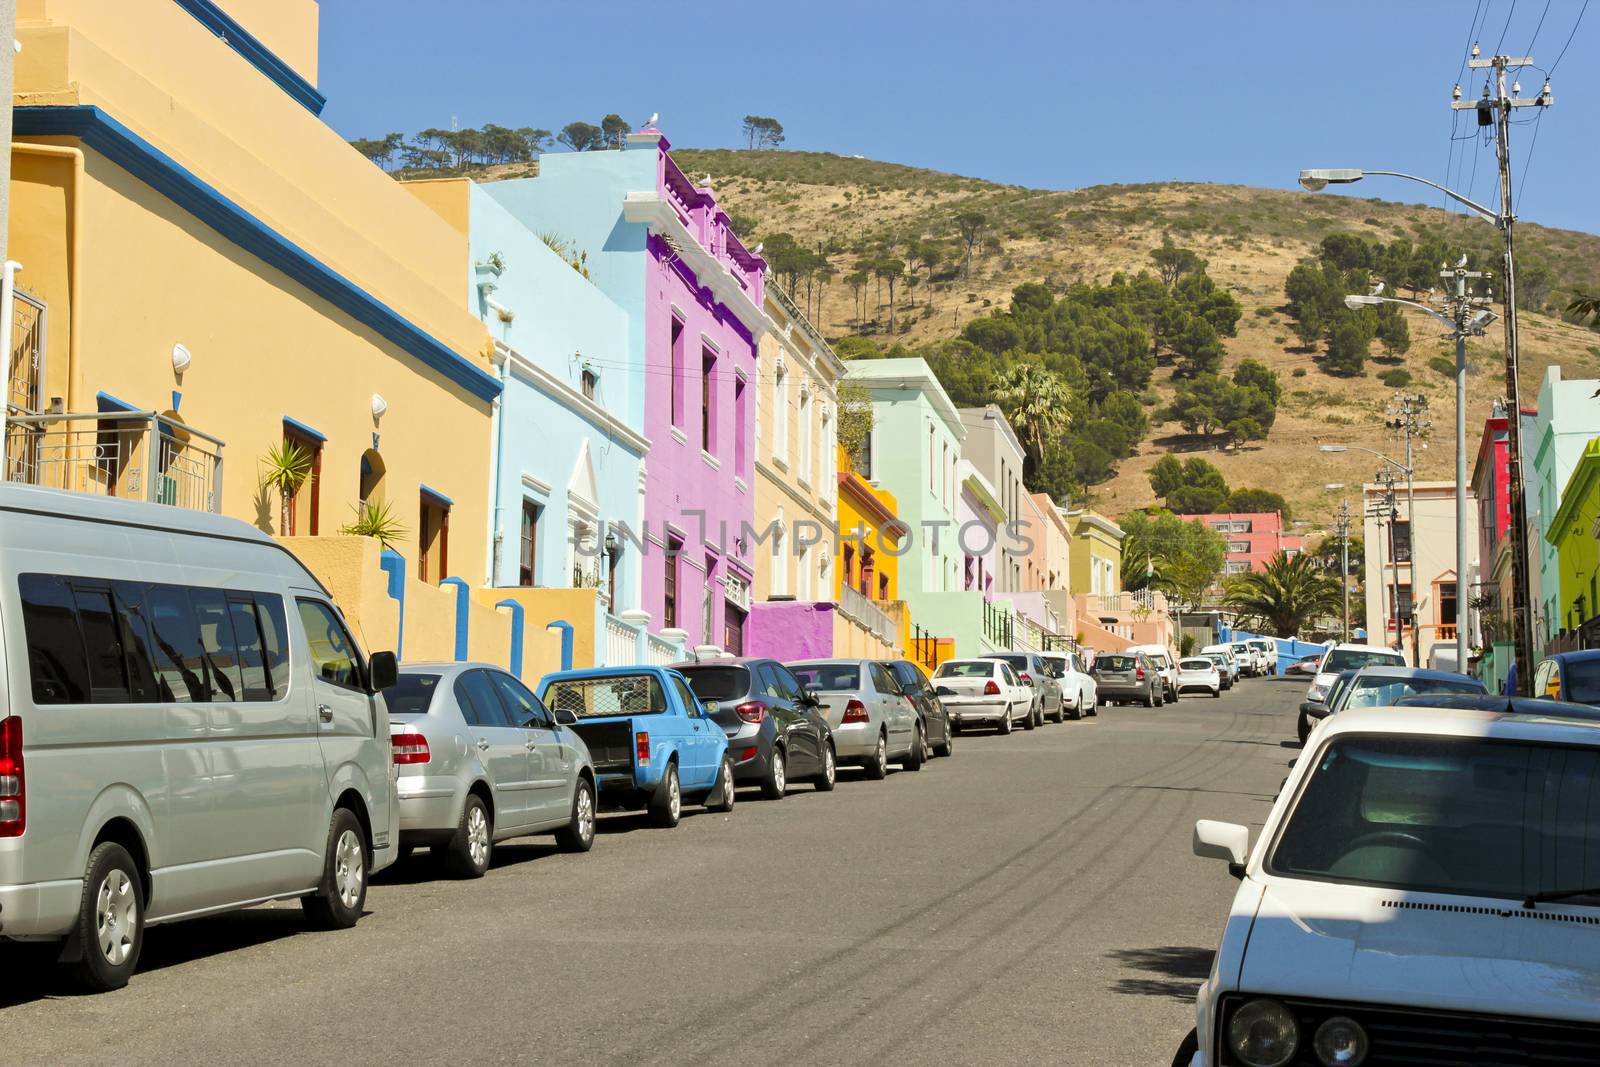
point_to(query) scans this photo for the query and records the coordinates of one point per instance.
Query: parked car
(1227, 662)
(914, 683)
(1035, 673)
(775, 727)
(1249, 664)
(1266, 651)
(1304, 665)
(1383, 912)
(1341, 657)
(1570, 676)
(1077, 684)
(1128, 677)
(188, 728)
(481, 760)
(983, 691)
(1540, 707)
(1198, 672)
(650, 742)
(1166, 665)
(872, 721)
(1377, 687)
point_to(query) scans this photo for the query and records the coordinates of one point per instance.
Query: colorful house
(1568, 414)
(1253, 539)
(1575, 535)
(994, 451)
(1096, 562)
(662, 249)
(1413, 598)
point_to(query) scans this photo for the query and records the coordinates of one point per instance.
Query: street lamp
(1317, 179)
(1343, 515)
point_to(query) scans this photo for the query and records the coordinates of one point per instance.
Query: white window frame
(780, 413)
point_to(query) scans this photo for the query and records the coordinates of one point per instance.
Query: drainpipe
(74, 262)
(498, 536)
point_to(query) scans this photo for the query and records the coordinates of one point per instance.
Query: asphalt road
(1032, 899)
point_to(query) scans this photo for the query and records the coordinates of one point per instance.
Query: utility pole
(1384, 507)
(1466, 323)
(1408, 414)
(1496, 111)
(1342, 525)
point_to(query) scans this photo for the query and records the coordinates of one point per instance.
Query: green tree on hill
(1173, 262)
(762, 131)
(613, 131)
(1037, 403)
(970, 224)
(1259, 501)
(1192, 487)
(581, 136)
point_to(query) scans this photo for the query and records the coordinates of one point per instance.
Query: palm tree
(1283, 597)
(1036, 401)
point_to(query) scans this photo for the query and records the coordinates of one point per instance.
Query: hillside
(1251, 237)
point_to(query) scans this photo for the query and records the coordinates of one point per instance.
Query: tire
(1303, 727)
(578, 834)
(1186, 1051)
(829, 775)
(473, 845)
(1005, 721)
(109, 933)
(1216, 694)
(1032, 720)
(666, 804)
(878, 767)
(342, 893)
(914, 756)
(1150, 700)
(722, 795)
(947, 749)
(1061, 711)
(775, 783)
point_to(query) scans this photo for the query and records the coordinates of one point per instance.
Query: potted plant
(284, 469)
(378, 521)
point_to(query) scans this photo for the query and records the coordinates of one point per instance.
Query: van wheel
(830, 769)
(914, 755)
(1186, 1051)
(109, 933)
(337, 903)
(1303, 728)
(473, 844)
(666, 806)
(776, 781)
(722, 794)
(578, 834)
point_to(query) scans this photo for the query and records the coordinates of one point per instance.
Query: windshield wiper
(1559, 894)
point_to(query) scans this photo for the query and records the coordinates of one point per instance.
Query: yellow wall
(287, 27)
(852, 515)
(1092, 544)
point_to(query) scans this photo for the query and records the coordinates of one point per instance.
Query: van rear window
(94, 641)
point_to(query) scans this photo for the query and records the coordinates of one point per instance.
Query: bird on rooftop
(655, 117)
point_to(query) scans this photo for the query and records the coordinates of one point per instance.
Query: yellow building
(211, 271)
(868, 566)
(1096, 553)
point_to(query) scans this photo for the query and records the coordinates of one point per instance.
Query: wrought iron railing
(997, 624)
(142, 455)
(924, 647)
(854, 605)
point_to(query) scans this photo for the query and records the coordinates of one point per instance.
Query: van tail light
(1027, 679)
(1138, 674)
(855, 711)
(752, 711)
(410, 748)
(991, 688)
(13, 790)
(641, 748)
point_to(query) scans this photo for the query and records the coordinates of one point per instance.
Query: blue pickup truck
(651, 742)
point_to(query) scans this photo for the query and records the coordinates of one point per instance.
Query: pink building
(1253, 539)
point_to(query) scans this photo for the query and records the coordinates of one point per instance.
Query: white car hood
(1474, 954)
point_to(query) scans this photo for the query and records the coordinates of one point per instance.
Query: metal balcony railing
(997, 625)
(140, 455)
(855, 606)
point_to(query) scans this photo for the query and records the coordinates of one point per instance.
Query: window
(708, 624)
(829, 677)
(528, 547)
(669, 603)
(733, 630)
(1404, 613)
(56, 655)
(882, 680)
(588, 382)
(433, 539)
(780, 414)
(780, 562)
(677, 371)
(863, 462)
(524, 707)
(1400, 541)
(480, 705)
(868, 564)
(302, 509)
(740, 434)
(1447, 603)
(690, 705)
(333, 653)
(411, 694)
(372, 472)
(804, 473)
(1238, 546)
(830, 456)
(933, 484)
(175, 640)
(218, 644)
(883, 587)
(708, 401)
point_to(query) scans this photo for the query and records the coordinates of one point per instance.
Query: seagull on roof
(655, 117)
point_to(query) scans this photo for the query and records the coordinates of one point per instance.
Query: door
(550, 775)
(782, 692)
(501, 745)
(899, 716)
(703, 743)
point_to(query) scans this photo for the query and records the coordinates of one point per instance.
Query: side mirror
(1223, 841)
(564, 717)
(383, 671)
(809, 697)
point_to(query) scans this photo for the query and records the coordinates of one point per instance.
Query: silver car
(480, 760)
(873, 721)
(1039, 676)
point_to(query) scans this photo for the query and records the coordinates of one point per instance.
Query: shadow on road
(1179, 970)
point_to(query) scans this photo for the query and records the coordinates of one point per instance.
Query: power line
(1507, 26)
(1578, 22)
(1528, 51)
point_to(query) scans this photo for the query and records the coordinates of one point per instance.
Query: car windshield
(1450, 815)
(718, 683)
(1583, 680)
(411, 694)
(1019, 663)
(1216, 657)
(1351, 659)
(829, 676)
(1115, 663)
(1196, 664)
(590, 698)
(1381, 692)
(982, 669)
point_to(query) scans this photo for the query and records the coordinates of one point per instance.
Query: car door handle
(529, 745)
(483, 745)
(324, 713)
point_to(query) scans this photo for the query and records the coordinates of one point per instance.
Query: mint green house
(1568, 417)
(914, 452)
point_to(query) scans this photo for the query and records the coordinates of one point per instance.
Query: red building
(1253, 539)
(1491, 483)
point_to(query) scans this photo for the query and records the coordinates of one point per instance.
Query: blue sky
(1052, 93)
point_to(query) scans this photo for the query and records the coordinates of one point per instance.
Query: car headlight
(1340, 1042)
(1316, 692)
(1262, 1033)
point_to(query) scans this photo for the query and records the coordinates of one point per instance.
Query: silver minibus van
(186, 727)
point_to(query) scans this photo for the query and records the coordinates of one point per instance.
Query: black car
(1570, 676)
(776, 731)
(913, 682)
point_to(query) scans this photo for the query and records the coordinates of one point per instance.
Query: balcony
(855, 606)
(628, 642)
(139, 455)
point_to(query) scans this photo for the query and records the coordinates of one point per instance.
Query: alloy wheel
(585, 814)
(349, 869)
(116, 917)
(830, 769)
(674, 797)
(477, 835)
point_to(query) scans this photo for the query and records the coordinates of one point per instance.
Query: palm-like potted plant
(284, 469)
(376, 520)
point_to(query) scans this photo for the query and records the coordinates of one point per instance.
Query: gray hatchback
(480, 760)
(1127, 677)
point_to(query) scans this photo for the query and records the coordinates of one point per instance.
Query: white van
(186, 727)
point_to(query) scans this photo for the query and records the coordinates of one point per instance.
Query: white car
(1230, 662)
(1166, 665)
(1341, 657)
(1266, 651)
(1407, 902)
(1249, 665)
(1078, 690)
(983, 691)
(1198, 672)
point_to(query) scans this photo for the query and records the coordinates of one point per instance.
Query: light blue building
(1568, 417)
